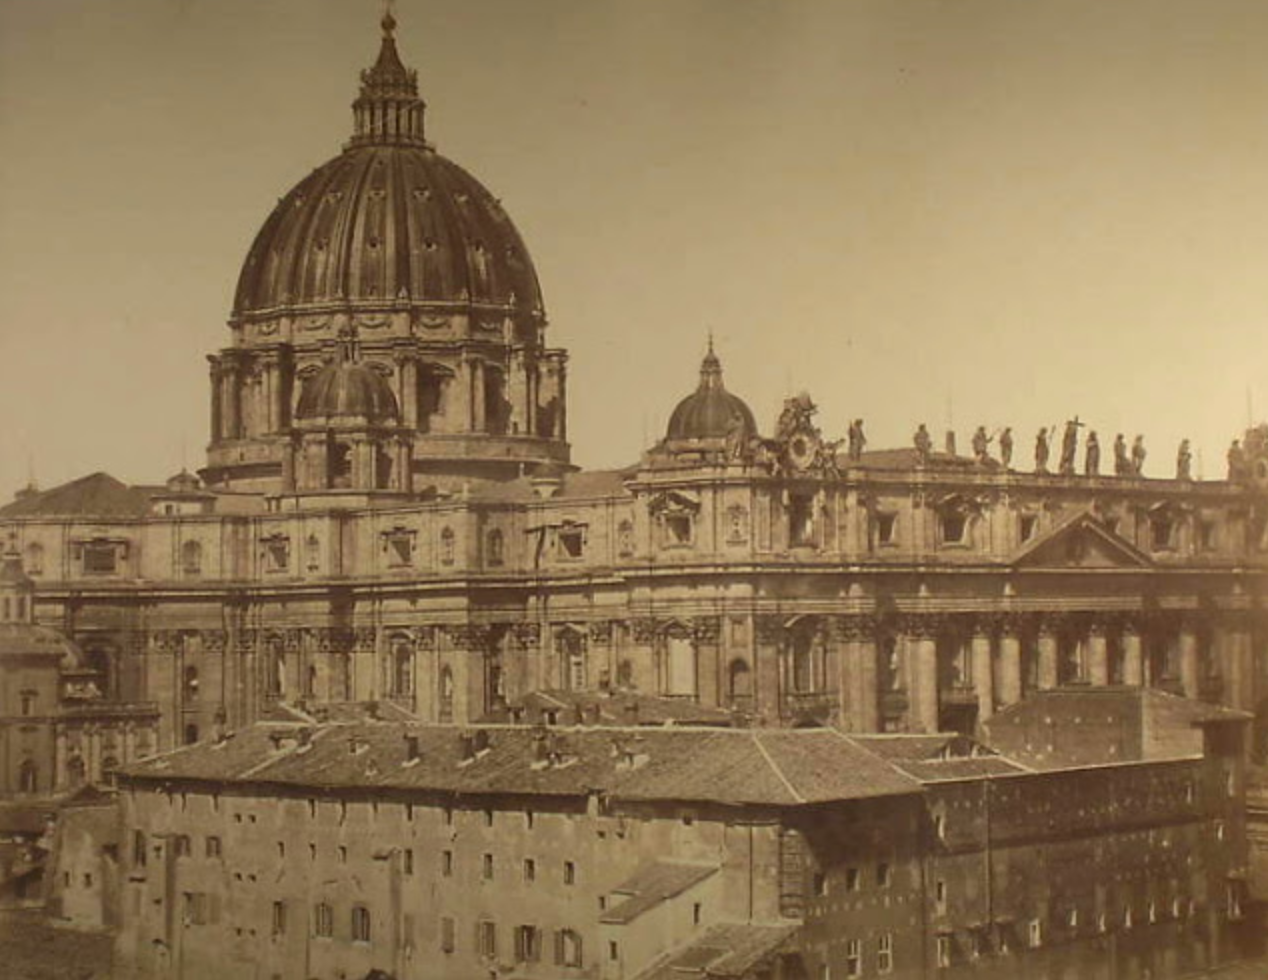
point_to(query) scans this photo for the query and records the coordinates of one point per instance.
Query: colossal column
(1133, 658)
(982, 673)
(1190, 670)
(1010, 662)
(1098, 655)
(1047, 656)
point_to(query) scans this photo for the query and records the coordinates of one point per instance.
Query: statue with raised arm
(1092, 455)
(1138, 455)
(981, 446)
(1122, 462)
(1041, 451)
(1184, 461)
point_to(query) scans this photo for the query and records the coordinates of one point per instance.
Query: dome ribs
(369, 242)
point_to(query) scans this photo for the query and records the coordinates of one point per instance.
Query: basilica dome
(388, 219)
(711, 412)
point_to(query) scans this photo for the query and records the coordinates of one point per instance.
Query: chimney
(541, 750)
(481, 741)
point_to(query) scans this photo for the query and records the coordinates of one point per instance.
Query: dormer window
(675, 513)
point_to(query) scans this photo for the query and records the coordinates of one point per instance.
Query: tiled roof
(723, 952)
(938, 758)
(767, 767)
(653, 883)
(96, 495)
(625, 708)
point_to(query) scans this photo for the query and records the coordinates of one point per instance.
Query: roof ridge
(775, 767)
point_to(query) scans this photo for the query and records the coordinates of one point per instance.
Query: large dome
(388, 219)
(394, 222)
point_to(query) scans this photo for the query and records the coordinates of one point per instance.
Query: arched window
(312, 553)
(28, 777)
(495, 547)
(402, 668)
(889, 668)
(310, 681)
(625, 675)
(340, 465)
(739, 680)
(191, 558)
(191, 684)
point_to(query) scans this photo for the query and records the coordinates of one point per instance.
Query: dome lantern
(388, 110)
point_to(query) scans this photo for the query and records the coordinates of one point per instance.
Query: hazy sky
(998, 212)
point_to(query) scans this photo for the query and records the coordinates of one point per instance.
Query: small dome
(711, 412)
(347, 390)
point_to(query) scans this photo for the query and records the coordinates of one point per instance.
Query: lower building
(631, 853)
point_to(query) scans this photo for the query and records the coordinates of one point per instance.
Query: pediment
(1082, 542)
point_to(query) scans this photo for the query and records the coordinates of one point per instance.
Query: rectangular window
(801, 520)
(1027, 523)
(360, 924)
(853, 880)
(614, 950)
(407, 860)
(100, 558)
(446, 864)
(570, 873)
(953, 528)
(819, 884)
(323, 921)
(678, 529)
(885, 953)
(342, 854)
(940, 896)
(182, 845)
(487, 939)
(138, 848)
(446, 935)
(279, 918)
(488, 867)
(854, 958)
(886, 524)
(528, 944)
(530, 869)
(944, 951)
(1035, 933)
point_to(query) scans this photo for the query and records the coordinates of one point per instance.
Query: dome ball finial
(388, 23)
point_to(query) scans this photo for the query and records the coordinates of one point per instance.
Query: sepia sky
(978, 211)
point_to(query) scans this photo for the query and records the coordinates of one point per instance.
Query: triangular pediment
(1081, 542)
